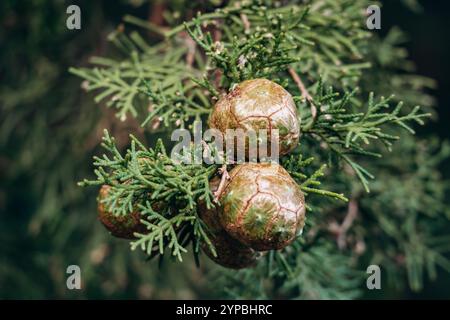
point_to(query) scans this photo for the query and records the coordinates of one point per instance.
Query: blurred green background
(50, 129)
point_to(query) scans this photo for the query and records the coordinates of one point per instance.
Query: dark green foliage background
(49, 131)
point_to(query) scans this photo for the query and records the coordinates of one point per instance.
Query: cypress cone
(230, 253)
(119, 226)
(259, 104)
(262, 206)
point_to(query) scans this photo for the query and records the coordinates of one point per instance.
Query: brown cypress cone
(259, 104)
(262, 206)
(230, 253)
(119, 226)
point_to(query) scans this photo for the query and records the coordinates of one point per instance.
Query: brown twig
(245, 22)
(304, 91)
(217, 36)
(191, 45)
(341, 230)
(347, 223)
(223, 181)
(206, 149)
(155, 14)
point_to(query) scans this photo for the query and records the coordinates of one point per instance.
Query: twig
(223, 180)
(348, 222)
(206, 149)
(155, 14)
(341, 230)
(191, 45)
(245, 22)
(217, 36)
(304, 91)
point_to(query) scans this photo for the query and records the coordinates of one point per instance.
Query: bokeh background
(428, 30)
(50, 129)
